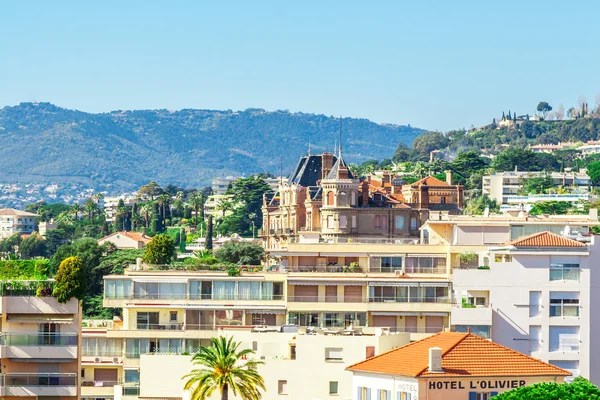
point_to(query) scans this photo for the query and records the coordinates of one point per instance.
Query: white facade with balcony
(537, 300)
(504, 186)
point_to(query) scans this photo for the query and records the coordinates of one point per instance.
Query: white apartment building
(503, 186)
(537, 296)
(296, 365)
(16, 221)
(112, 203)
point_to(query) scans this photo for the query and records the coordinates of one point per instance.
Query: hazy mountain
(121, 150)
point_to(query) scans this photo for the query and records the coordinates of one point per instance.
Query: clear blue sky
(433, 64)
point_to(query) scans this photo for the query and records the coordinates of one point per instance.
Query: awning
(267, 311)
(395, 313)
(395, 284)
(344, 254)
(229, 307)
(434, 314)
(160, 280)
(434, 284)
(43, 360)
(339, 282)
(427, 255)
(38, 320)
(293, 254)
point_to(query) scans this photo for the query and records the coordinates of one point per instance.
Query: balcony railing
(99, 383)
(200, 327)
(159, 327)
(207, 296)
(42, 379)
(440, 269)
(323, 268)
(385, 299)
(419, 329)
(40, 339)
(102, 352)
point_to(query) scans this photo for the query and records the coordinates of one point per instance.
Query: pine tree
(503, 116)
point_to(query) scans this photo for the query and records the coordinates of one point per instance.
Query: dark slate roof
(308, 170)
(333, 174)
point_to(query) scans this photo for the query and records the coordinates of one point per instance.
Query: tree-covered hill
(121, 150)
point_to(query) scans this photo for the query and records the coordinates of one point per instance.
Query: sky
(438, 65)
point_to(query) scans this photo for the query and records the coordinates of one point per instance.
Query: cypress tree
(209, 234)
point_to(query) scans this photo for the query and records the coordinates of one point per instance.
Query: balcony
(39, 305)
(98, 388)
(160, 327)
(471, 315)
(323, 268)
(48, 384)
(43, 345)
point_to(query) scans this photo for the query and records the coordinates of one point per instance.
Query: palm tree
(164, 200)
(76, 208)
(224, 206)
(90, 206)
(223, 367)
(146, 210)
(197, 203)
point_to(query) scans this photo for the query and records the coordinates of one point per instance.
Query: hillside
(121, 150)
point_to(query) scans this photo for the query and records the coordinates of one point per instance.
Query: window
(132, 376)
(479, 330)
(173, 316)
(535, 338)
(377, 222)
(330, 198)
(564, 272)
(364, 393)
(477, 301)
(383, 394)
(484, 395)
(413, 224)
(564, 304)
(535, 304)
(292, 352)
(399, 222)
(369, 351)
(390, 264)
(82, 373)
(343, 222)
(384, 222)
(333, 387)
(353, 199)
(282, 387)
(330, 221)
(564, 339)
(354, 221)
(334, 354)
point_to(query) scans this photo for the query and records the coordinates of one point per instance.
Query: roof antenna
(340, 136)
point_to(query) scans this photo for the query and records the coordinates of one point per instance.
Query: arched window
(342, 199)
(330, 198)
(353, 199)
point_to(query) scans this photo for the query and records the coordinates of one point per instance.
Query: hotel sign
(476, 385)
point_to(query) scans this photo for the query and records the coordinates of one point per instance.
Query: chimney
(365, 194)
(435, 360)
(423, 196)
(449, 177)
(386, 178)
(326, 164)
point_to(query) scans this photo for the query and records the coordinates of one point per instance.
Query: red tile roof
(430, 181)
(463, 354)
(137, 236)
(545, 239)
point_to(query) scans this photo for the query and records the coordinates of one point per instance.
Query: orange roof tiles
(463, 354)
(430, 181)
(545, 239)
